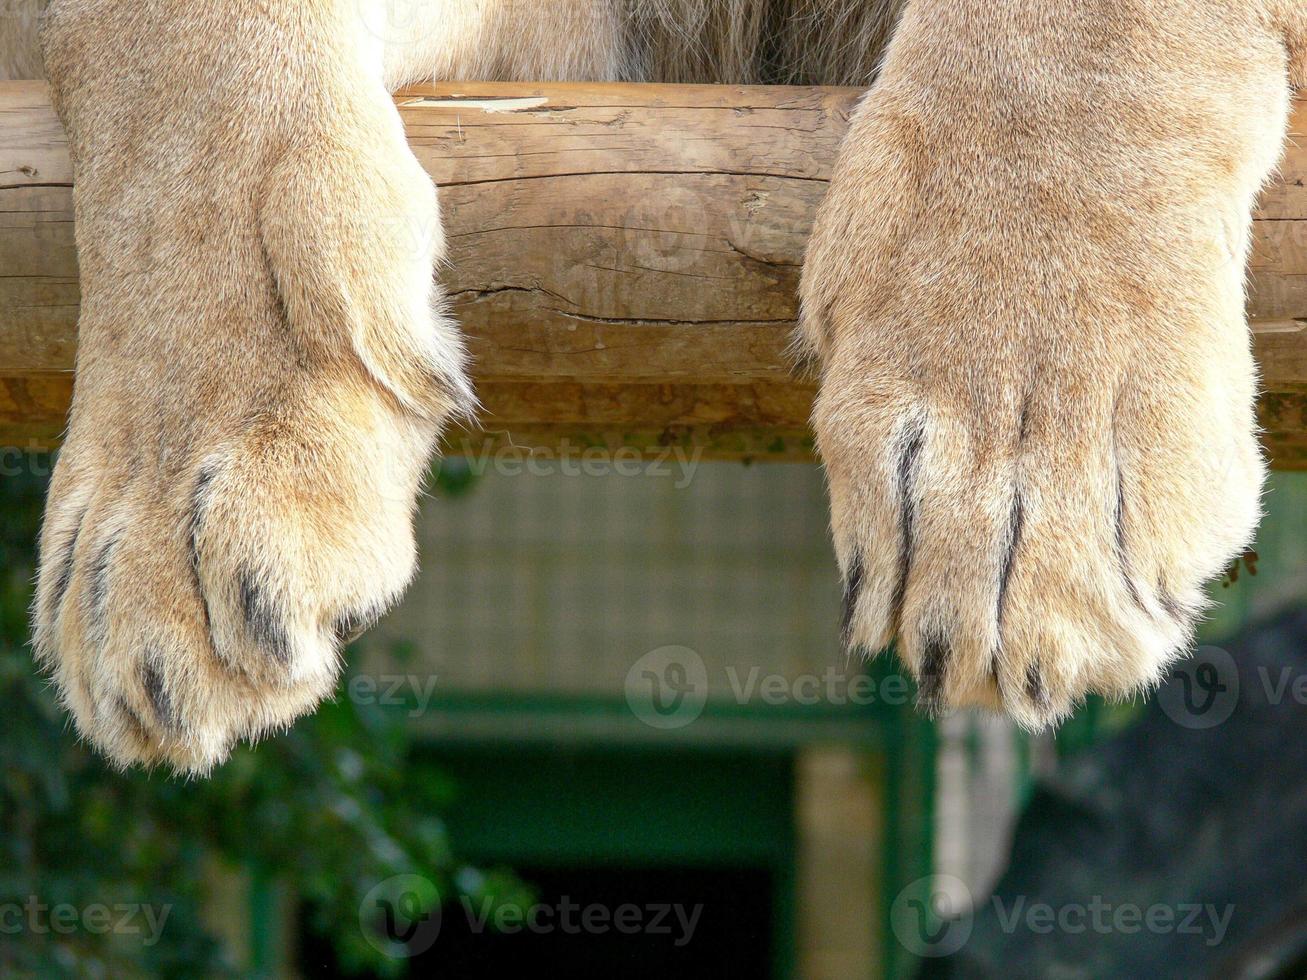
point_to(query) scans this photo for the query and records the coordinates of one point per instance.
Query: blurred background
(610, 733)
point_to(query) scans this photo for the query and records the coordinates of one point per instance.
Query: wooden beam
(624, 259)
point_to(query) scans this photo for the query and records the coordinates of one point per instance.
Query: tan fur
(1026, 292)
(1289, 18)
(1042, 212)
(262, 369)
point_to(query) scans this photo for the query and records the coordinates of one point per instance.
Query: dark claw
(1016, 525)
(351, 626)
(907, 515)
(133, 720)
(65, 570)
(160, 700)
(1035, 689)
(1123, 558)
(198, 503)
(1174, 608)
(934, 667)
(97, 592)
(263, 620)
(852, 592)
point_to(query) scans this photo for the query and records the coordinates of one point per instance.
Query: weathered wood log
(624, 260)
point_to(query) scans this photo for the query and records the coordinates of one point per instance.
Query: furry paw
(1029, 544)
(263, 371)
(1036, 405)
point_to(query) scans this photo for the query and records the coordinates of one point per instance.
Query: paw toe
(1008, 578)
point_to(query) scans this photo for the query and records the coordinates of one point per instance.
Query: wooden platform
(624, 260)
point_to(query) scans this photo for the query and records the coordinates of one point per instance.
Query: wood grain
(624, 260)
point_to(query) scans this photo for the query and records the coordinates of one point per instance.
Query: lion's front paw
(221, 521)
(1031, 479)
(263, 370)
(1033, 546)
(186, 604)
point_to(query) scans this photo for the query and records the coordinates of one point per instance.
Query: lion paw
(186, 604)
(263, 371)
(1031, 553)
(1037, 451)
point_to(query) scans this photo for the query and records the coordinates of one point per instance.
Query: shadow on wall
(1175, 849)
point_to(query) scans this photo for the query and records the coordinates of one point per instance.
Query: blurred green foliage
(328, 811)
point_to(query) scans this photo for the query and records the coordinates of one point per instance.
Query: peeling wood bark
(624, 260)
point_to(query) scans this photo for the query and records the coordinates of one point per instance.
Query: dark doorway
(602, 922)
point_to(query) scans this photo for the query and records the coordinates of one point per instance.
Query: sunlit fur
(1024, 294)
